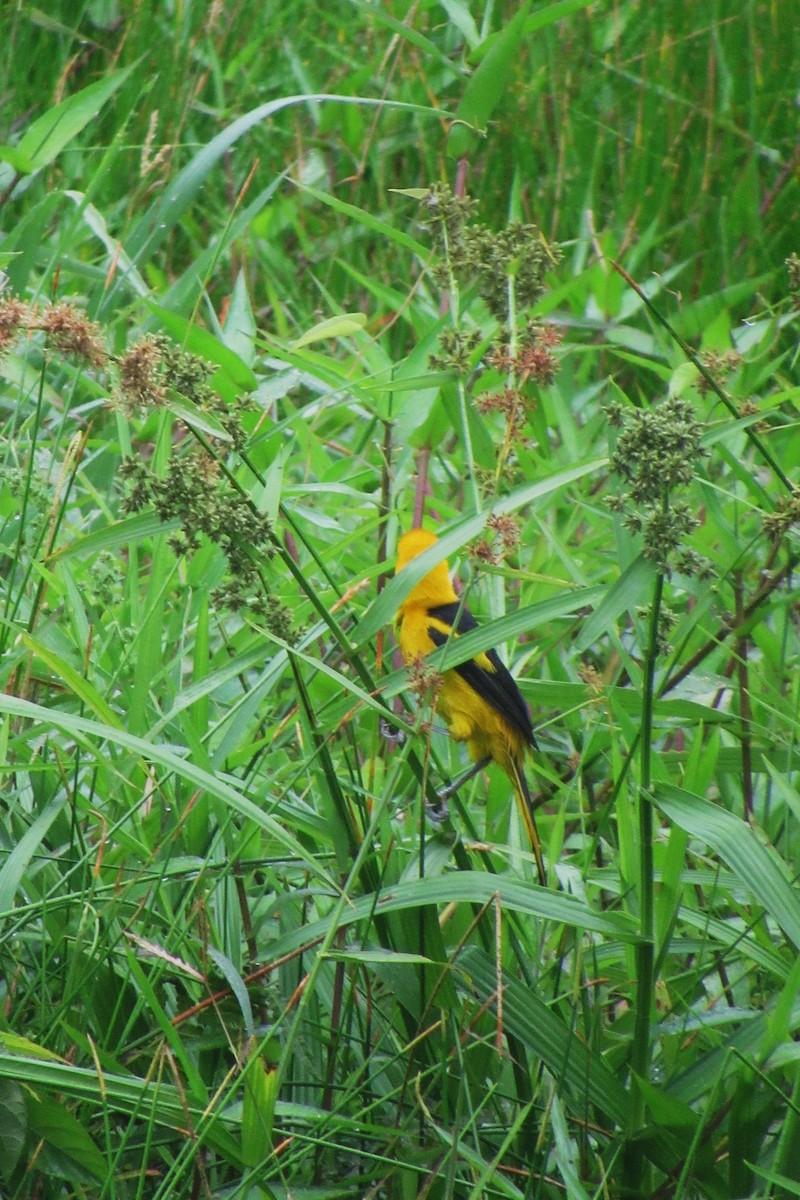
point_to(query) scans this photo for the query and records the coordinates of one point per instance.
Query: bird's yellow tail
(525, 806)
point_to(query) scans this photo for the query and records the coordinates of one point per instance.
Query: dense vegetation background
(251, 326)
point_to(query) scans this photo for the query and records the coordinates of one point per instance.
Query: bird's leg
(441, 812)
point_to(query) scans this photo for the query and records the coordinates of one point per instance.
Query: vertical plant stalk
(455, 318)
(743, 679)
(645, 951)
(11, 606)
(511, 380)
(465, 433)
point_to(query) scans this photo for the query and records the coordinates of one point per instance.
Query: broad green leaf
(196, 418)
(667, 1109)
(486, 87)
(14, 1123)
(362, 217)
(155, 1101)
(15, 1043)
(44, 140)
(129, 530)
(474, 887)
(199, 341)
(18, 371)
(237, 986)
(563, 1052)
(692, 319)
(463, 20)
(240, 329)
(744, 1044)
(379, 957)
(415, 193)
(73, 680)
(258, 1104)
(549, 14)
(15, 158)
(53, 1122)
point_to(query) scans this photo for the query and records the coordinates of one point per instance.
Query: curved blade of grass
(90, 733)
(73, 681)
(18, 859)
(119, 533)
(470, 887)
(122, 263)
(757, 866)
(52, 1123)
(159, 1102)
(155, 227)
(343, 325)
(362, 217)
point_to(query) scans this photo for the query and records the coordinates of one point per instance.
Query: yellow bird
(478, 699)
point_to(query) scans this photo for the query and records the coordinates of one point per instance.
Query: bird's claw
(437, 813)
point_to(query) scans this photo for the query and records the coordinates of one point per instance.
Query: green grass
(237, 956)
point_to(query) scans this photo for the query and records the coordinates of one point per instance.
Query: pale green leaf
(332, 327)
(196, 418)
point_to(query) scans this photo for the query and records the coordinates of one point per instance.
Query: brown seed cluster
(66, 328)
(139, 376)
(424, 680)
(504, 539)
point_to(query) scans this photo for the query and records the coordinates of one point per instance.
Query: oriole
(478, 699)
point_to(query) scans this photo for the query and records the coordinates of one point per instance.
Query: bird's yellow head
(434, 588)
(413, 543)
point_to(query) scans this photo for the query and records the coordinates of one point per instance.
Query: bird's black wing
(497, 687)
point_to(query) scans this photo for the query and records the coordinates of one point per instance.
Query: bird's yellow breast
(469, 717)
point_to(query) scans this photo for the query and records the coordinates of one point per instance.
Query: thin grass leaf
(13, 870)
